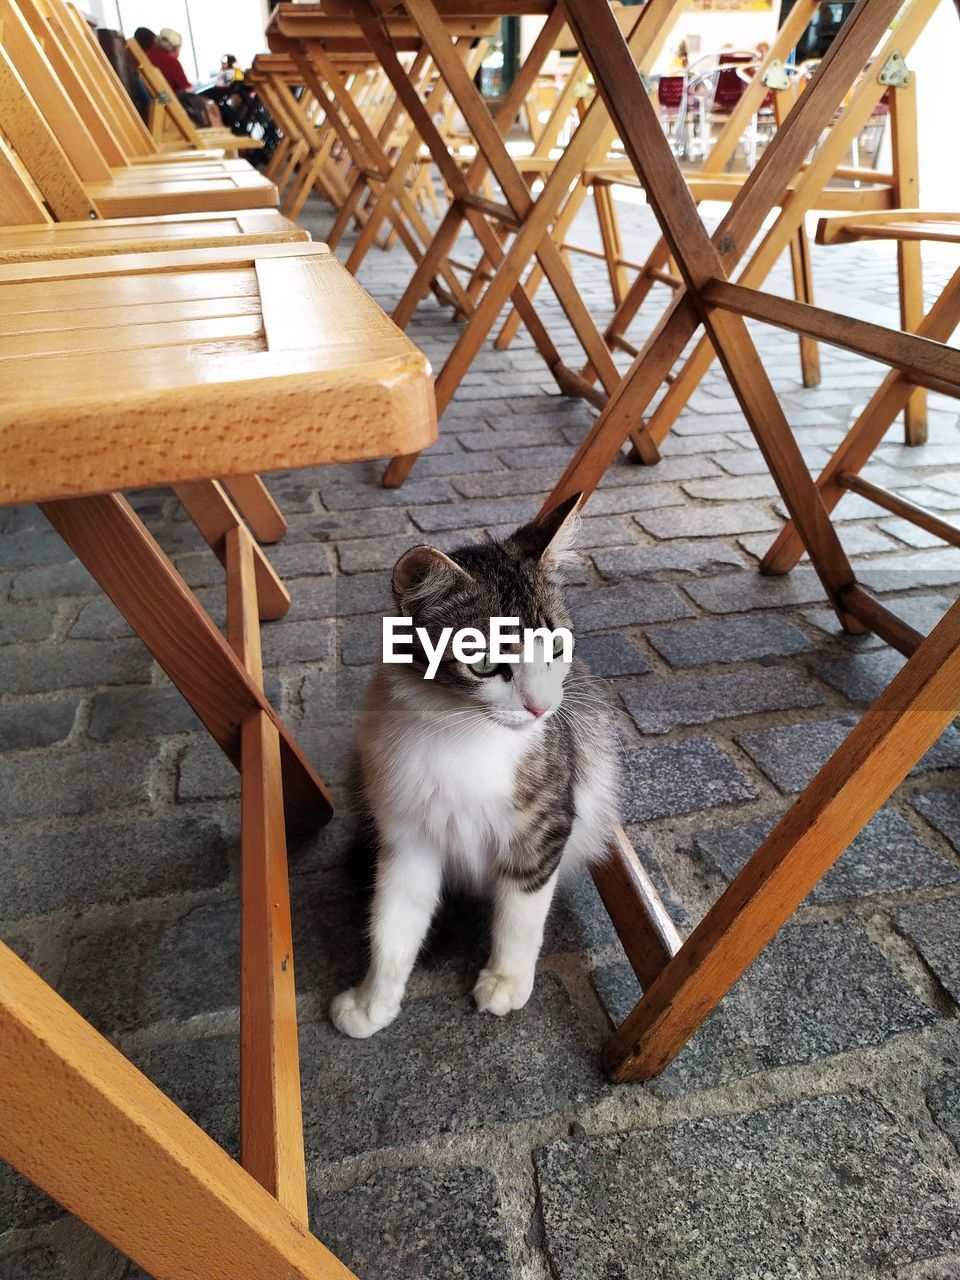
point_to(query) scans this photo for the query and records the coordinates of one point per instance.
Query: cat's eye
(483, 666)
(557, 646)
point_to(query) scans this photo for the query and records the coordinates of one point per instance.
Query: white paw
(356, 1014)
(500, 992)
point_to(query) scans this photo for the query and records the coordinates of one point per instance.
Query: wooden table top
(338, 30)
(143, 369)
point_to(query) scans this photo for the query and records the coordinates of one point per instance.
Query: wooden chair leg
(262, 515)
(868, 430)
(79, 1120)
(112, 543)
(777, 166)
(859, 777)
(906, 195)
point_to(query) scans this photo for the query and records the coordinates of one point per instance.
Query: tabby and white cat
(493, 777)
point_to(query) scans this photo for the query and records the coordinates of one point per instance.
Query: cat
(490, 777)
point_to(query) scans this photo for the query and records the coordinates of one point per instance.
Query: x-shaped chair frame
(683, 982)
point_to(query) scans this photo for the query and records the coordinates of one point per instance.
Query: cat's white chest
(457, 787)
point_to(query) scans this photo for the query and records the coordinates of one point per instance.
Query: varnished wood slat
(639, 916)
(111, 542)
(217, 519)
(909, 511)
(868, 430)
(891, 224)
(928, 363)
(21, 201)
(80, 1121)
(260, 512)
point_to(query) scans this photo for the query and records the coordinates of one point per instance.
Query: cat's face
(516, 578)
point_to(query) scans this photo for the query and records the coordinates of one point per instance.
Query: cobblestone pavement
(811, 1129)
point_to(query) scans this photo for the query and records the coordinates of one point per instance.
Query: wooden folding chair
(314, 40)
(684, 982)
(528, 218)
(310, 359)
(168, 116)
(852, 189)
(63, 158)
(842, 473)
(93, 87)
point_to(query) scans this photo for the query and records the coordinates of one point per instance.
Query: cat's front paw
(500, 992)
(359, 1015)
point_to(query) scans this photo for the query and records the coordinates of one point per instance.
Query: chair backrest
(50, 95)
(30, 135)
(670, 91)
(37, 15)
(22, 204)
(76, 36)
(158, 87)
(729, 89)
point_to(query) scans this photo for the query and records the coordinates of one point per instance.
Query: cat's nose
(535, 708)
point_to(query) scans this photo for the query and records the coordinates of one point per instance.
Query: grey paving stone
(205, 773)
(826, 620)
(817, 1190)
(474, 513)
(792, 755)
(743, 592)
(374, 522)
(504, 484)
(941, 808)
(679, 777)
(300, 560)
(636, 498)
(362, 641)
(751, 462)
(311, 598)
(934, 929)
(861, 677)
(727, 640)
(706, 522)
(23, 622)
(36, 724)
(363, 593)
(857, 539)
(815, 991)
(539, 455)
(657, 706)
(36, 546)
(597, 608)
(202, 1077)
(943, 1099)
(37, 584)
(690, 557)
(109, 860)
(494, 1071)
(459, 464)
(612, 655)
(298, 642)
(144, 711)
(23, 1205)
(935, 568)
(523, 433)
(886, 857)
(74, 781)
(732, 488)
(44, 668)
(909, 533)
(666, 471)
(32, 1262)
(329, 697)
(431, 1223)
(346, 498)
(100, 619)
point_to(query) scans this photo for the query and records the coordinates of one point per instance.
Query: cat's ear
(423, 571)
(551, 537)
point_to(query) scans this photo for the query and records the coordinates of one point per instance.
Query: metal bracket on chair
(894, 73)
(776, 76)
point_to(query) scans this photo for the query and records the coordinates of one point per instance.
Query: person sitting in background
(163, 53)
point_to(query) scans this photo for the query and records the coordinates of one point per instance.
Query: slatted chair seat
(253, 358)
